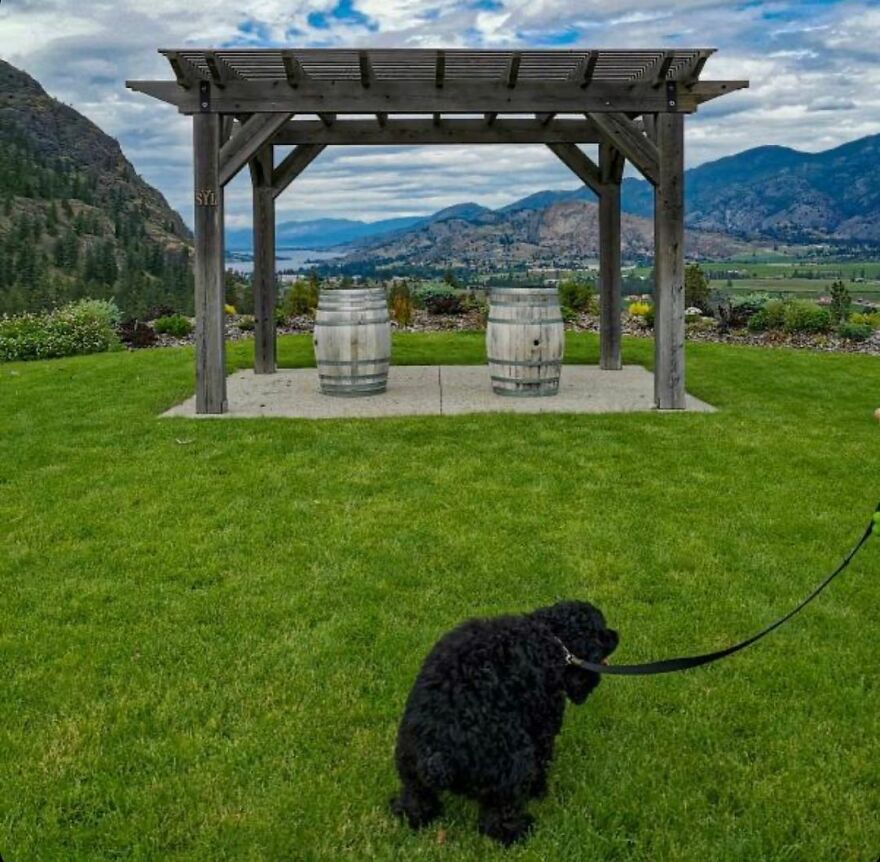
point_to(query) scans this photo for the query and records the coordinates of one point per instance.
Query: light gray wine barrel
(525, 340)
(352, 341)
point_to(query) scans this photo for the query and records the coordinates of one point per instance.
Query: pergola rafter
(630, 102)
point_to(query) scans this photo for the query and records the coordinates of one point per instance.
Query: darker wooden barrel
(352, 341)
(525, 339)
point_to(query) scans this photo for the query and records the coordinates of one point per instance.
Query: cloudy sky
(814, 68)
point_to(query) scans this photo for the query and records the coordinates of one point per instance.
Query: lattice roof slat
(322, 64)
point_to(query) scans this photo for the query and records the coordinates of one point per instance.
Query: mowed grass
(208, 629)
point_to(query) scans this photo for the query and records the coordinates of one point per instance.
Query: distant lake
(285, 258)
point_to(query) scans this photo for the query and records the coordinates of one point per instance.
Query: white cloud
(814, 68)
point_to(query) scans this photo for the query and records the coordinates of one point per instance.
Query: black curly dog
(483, 714)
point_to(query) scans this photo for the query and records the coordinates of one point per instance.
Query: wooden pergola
(246, 102)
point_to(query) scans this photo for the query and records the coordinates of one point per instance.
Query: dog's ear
(578, 683)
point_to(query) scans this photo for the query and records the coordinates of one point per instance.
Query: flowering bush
(87, 326)
(871, 318)
(229, 309)
(639, 308)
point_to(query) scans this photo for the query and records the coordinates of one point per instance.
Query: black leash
(670, 665)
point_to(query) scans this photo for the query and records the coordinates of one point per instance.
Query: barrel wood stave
(525, 341)
(352, 341)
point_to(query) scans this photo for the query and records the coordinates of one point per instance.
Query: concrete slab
(438, 390)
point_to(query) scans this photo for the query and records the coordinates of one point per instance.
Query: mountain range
(766, 194)
(77, 220)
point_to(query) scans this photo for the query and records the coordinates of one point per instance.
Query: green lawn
(208, 629)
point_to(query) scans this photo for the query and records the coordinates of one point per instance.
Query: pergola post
(208, 266)
(264, 261)
(669, 392)
(611, 168)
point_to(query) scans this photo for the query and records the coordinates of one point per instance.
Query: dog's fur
(483, 714)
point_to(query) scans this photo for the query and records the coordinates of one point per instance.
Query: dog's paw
(538, 790)
(417, 814)
(507, 827)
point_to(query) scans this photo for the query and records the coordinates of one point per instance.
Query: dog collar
(571, 659)
(567, 654)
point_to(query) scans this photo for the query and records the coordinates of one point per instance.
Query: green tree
(696, 287)
(840, 302)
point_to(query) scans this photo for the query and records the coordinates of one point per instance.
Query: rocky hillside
(764, 195)
(75, 218)
(560, 234)
(782, 194)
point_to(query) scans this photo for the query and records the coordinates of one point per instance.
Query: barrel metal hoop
(535, 392)
(349, 322)
(538, 381)
(353, 361)
(526, 322)
(341, 378)
(527, 363)
(495, 304)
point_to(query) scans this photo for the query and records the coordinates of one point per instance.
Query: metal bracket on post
(671, 95)
(204, 96)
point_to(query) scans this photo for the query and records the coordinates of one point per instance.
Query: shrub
(804, 316)
(569, 315)
(855, 331)
(745, 306)
(136, 333)
(246, 323)
(401, 303)
(757, 322)
(473, 303)
(87, 326)
(301, 299)
(280, 316)
(577, 295)
(870, 318)
(441, 301)
(229, 309)
(176, 325)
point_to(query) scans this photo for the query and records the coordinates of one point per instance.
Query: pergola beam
(422, 131)
(456, 96)
(243, 146)
(365, 69)
(439, 69)
(623, 134)
(585, 70)
(293, 165)
(293, 69)
(580, 164)
(513, 69)
(185, 72)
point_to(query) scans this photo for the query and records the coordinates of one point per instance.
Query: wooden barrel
(352, 341)
(525, 340)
